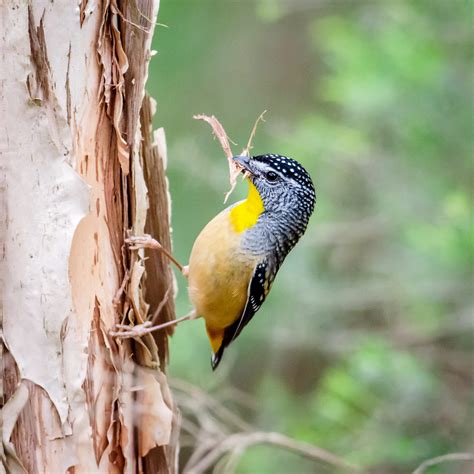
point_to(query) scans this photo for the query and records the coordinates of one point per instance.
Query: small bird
(237, 255)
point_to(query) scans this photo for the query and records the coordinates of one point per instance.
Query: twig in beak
(220, 133)
(246, 150)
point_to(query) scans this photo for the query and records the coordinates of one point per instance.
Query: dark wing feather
(258, 290)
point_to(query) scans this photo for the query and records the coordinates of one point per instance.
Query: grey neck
(275, 233)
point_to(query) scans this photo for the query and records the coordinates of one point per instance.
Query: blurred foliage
(364, 346)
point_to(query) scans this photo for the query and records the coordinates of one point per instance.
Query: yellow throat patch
(245, 215)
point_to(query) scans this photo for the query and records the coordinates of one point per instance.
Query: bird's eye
(271, 176)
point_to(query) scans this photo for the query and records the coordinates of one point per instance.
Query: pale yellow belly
(219, 273)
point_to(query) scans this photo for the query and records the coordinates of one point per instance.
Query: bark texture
(79, 167)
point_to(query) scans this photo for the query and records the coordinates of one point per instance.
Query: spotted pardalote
(237, 255)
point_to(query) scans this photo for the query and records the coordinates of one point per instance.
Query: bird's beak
(244, 162)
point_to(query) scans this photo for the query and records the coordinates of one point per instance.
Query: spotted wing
(258, 289)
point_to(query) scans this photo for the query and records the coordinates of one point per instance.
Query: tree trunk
(79, 167)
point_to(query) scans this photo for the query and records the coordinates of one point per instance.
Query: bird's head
(283, 184)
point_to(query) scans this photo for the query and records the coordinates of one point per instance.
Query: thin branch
(229, 464)
(247, 149)
(219, 409)
(200, 451)
(238, 397)
(221, 449)
(241, 441)
(191, 428)
(445, 458)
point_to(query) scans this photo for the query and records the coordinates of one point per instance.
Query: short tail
(216, 358)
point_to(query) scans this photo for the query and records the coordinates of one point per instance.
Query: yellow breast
(245, 214)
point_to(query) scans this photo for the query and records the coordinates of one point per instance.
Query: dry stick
(221, 135)
(439, 459)
(198, 453)
(246, 150)
(209, 452)
(242, 441)
(229, 464)
(220, 410)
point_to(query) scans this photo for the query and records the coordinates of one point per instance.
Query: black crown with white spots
(290, 168)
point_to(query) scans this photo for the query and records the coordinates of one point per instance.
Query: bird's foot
(124, 331)
(144, 241)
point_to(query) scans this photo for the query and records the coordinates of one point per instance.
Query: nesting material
(234, 168)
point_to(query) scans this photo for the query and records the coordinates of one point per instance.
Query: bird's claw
(124, 331)
(142, 242)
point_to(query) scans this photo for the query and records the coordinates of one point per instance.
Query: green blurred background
(364, 346)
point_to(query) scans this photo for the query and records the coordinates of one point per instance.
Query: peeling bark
(157, 223)
(79, 168)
